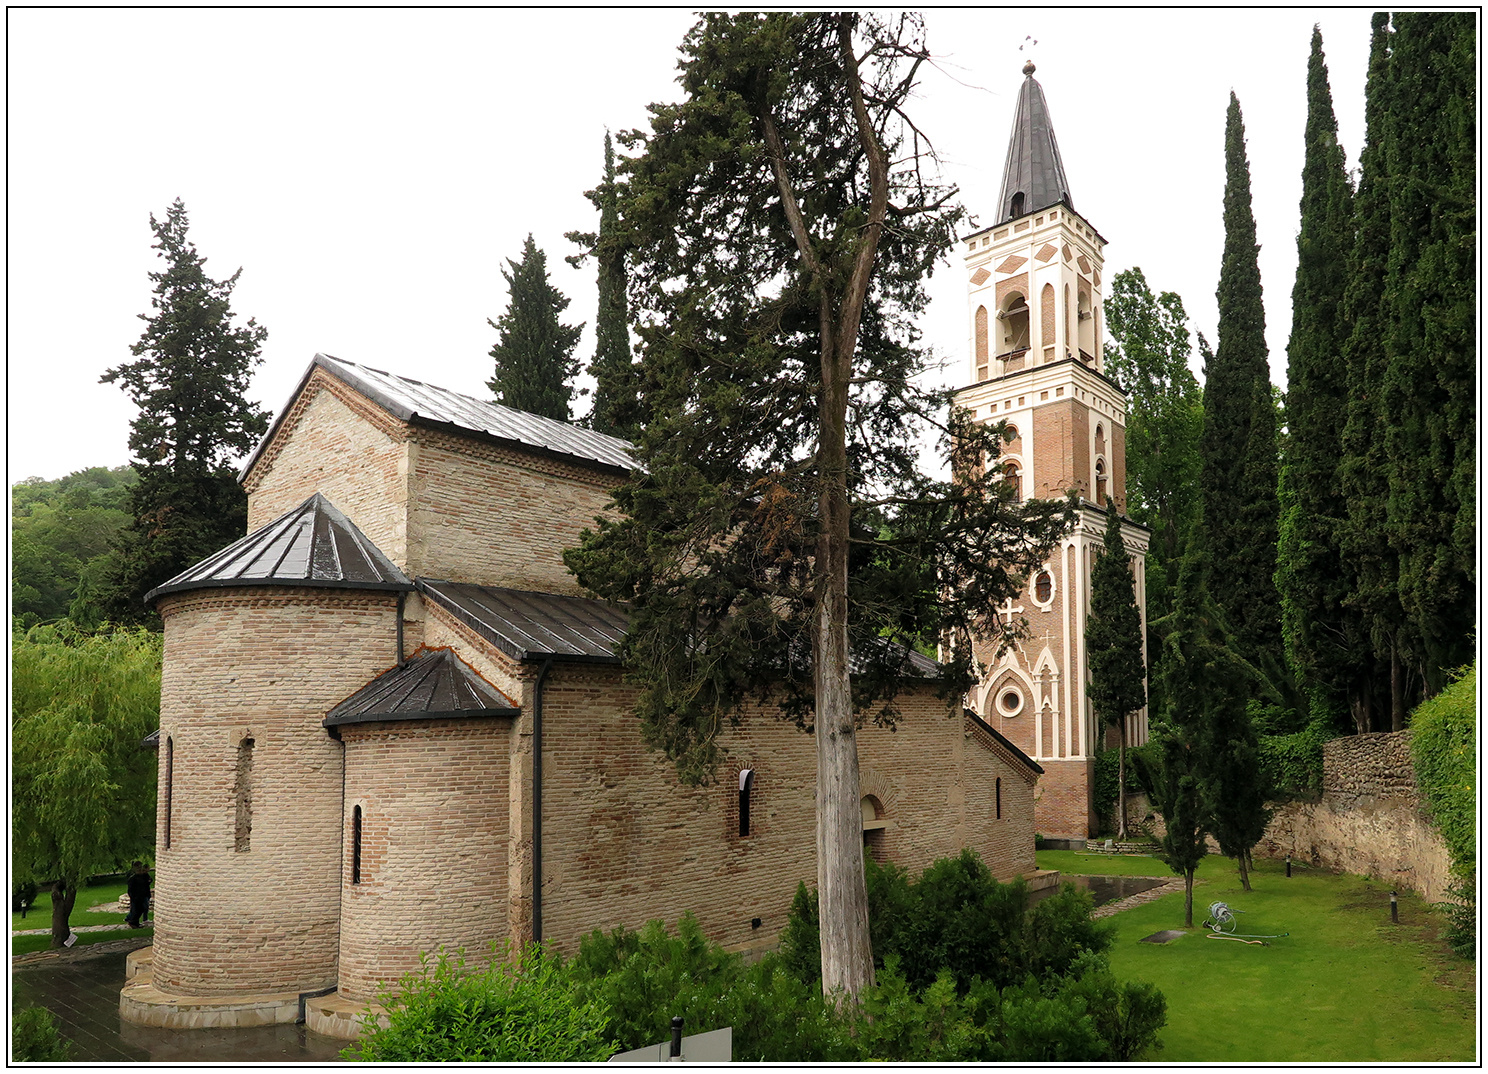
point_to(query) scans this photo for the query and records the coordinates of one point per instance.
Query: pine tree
(1368, 565)
(1324, 645)
(1113, 644)
(191, 371)
(1430, 381)
(1238, 479)
(534, 359)
(777, 261)
(616, 377)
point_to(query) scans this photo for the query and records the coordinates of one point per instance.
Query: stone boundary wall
(1370, 818)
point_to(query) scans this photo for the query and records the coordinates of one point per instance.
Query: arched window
(981, 343)
(1100, 482)
(1043, 587)
(243, 796)
(746, 786)
(1014, 478)
(356, 844)
(1087, 327)
(1013, 338)
(170, 773)
(873, 826)
(1015, 208)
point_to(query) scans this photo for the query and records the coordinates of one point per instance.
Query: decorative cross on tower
(1028, 48)
(1009, 610)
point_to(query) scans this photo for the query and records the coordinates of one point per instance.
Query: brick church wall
(348, 449)
(625, 843)
(492, 516)
(434, 839)
(266, 664)
(1063, 806)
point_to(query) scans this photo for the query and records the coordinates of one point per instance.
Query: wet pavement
(1105, 889)
(83, 992)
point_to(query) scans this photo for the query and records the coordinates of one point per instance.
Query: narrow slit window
(243, 796)
(170, 765)
(999, 797)
(356, 844)
(746, 785)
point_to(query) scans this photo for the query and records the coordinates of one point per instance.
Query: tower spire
(1033, 178)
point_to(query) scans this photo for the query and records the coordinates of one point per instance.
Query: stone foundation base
(336, 1016)
(141, 1003)
(1040, 879)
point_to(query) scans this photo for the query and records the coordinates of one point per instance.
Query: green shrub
(34, 1037)
(645, 978)
(1444, 755)
(1444, 752)
(1292, 764)
(1059, 932)
(507, 1013)
(1107, 774)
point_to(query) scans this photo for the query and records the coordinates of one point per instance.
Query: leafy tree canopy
(82, 786)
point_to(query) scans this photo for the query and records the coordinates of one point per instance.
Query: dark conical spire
(1034, 176)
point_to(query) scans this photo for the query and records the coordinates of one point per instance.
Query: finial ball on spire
(1028, 68)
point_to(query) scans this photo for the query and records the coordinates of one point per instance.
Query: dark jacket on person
(139, 887)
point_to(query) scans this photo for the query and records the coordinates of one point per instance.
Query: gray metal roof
(1033, 167)
(312, 545)
(439, 408)
(433, 684)
(530, 626)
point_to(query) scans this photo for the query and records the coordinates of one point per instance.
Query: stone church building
(391, 721)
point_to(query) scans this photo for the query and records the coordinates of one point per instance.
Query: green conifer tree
(1430, 383)
(1113, 644)
(1369, 566)
(534, 358)
(615, 374)
(191, 371)
(1238, 479)
(1324, 646)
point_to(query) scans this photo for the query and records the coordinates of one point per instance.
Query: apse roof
(528, 626)
(1033, 167)
(433, 684)
(433, 407)
(312, 545)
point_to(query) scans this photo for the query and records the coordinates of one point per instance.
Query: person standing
(139, 895)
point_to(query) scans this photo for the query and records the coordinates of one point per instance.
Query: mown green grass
(39, 916)
(1345, 986)
(24, 945)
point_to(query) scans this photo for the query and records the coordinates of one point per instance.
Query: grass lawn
(1346, 986)
(39, 916)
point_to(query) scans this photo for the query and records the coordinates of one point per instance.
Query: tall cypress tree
(1238, 478)
(1113, 644)
(1430, 379)
(1208, 686)
(1369, 566)
(534, 358)
(191, 370)
(616, 376)
(1323, 645)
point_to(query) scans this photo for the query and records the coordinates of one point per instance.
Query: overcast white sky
(371, 170)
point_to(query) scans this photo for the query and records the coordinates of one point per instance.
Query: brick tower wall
(434, 843)
(1063, 809)
(253, 907)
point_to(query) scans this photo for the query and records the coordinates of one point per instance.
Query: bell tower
(1035, 329)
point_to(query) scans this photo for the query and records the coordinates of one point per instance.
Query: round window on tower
(1043, 587)
(1009, 701)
